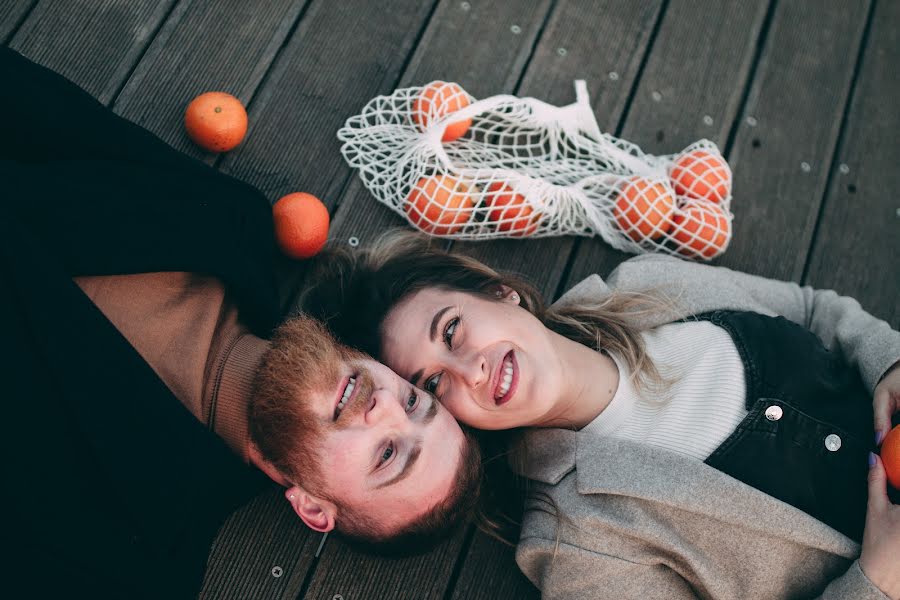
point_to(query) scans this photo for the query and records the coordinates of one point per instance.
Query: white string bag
(519, 167)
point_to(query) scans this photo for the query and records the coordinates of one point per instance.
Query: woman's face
(491, 363)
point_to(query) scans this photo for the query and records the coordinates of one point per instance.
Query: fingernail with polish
(872, 460)
(878, 437)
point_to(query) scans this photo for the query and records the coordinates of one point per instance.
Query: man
(136, 290)
(358, 448)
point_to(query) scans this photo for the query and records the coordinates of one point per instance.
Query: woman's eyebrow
(435, 321)
(415, 377)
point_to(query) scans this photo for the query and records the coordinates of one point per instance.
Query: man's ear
(318, 514)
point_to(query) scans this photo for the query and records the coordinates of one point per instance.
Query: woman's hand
(886, 401)
(880, 558)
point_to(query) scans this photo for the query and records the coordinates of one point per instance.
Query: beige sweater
(187, 329)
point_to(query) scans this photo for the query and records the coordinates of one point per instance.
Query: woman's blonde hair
(354, 291)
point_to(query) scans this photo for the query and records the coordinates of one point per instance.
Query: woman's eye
(412, 401)
(431, 384)
(388, 452)
(449, 330)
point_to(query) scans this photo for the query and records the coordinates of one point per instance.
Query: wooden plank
(95, 43)
(782, 157)
(475, 48)
(263, 551)
(341, 55)
(223, 46)
(349, 575)
(857, 243)
(600, 39)
(687, 78)
(490, 571)
(11, 14)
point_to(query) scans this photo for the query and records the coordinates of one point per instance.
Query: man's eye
(449, 330)
(412, 401)
(388, 452)
(431, 384)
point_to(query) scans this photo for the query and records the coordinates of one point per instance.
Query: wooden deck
(798, 95)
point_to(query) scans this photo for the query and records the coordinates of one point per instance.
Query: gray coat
(640, 522)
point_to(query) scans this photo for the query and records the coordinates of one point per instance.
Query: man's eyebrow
(414, 379)
(407, 468)
(431, 413)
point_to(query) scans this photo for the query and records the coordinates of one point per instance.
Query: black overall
(810, 427)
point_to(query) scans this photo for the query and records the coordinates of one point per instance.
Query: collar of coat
(604, 465)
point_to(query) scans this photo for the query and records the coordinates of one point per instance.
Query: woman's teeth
(347, 392)
(506, 379)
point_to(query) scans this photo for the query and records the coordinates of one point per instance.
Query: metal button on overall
(833, 442)
(773, 413)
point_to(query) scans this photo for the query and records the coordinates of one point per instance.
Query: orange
(890, 456)
(701, 174)
(301, 224)
(510, 211)
(439, 204)
(644, 208)
(436, 100)
(701, 228)
(216, 121)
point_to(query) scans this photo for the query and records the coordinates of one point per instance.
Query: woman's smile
(506, 379)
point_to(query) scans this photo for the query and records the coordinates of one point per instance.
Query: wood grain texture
(857, 244)
(486, 573)
(95, 43)
(223, 46)
(781, 165)
(599, 38)
(263, 551)
(341, 55)
(355, 576)
(695, 76)
(11, 14)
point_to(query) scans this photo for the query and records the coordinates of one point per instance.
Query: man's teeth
(347, 391)
(506, 380)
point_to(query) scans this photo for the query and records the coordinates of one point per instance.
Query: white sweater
(701, 406)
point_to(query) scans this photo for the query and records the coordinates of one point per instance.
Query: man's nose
(386, 409)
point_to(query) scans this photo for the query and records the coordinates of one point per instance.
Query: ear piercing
(514, 297)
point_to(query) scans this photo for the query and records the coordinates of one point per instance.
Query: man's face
(386, 449)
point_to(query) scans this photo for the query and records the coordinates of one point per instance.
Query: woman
(720, 457)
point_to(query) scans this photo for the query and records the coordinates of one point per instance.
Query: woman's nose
(474, 370)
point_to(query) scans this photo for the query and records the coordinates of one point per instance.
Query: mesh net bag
(519, 167)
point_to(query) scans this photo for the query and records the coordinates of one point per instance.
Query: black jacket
(112, 488)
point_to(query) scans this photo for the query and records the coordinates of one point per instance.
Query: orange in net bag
(509, 167)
